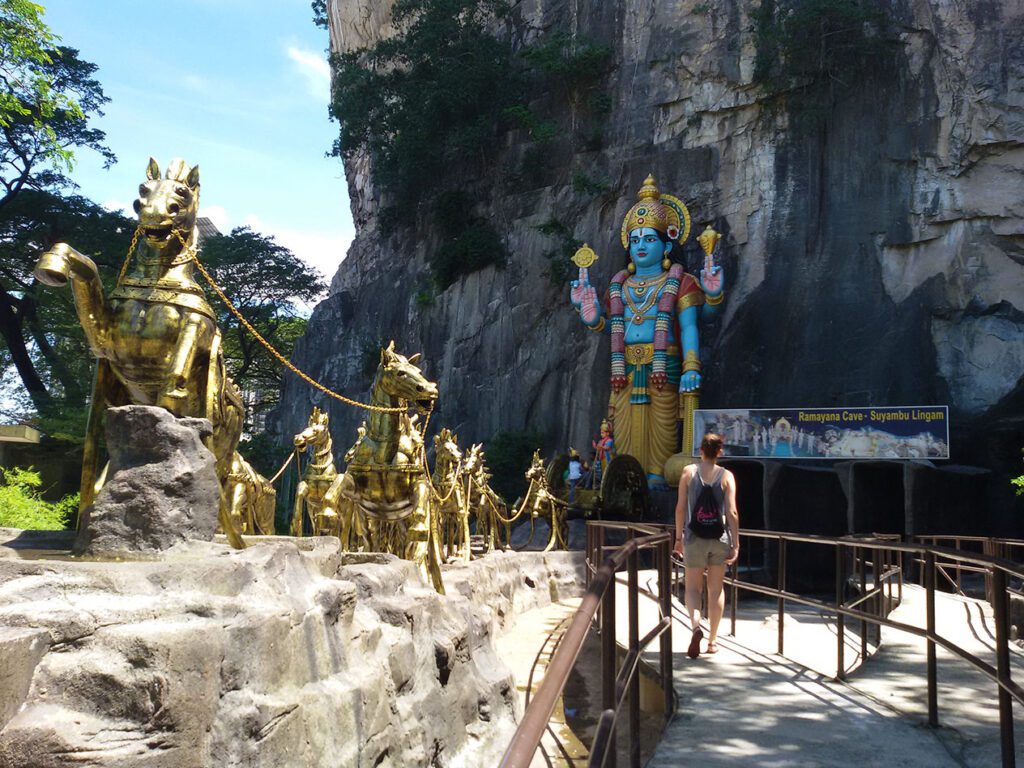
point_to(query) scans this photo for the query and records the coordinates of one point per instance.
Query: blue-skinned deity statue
(652, 310)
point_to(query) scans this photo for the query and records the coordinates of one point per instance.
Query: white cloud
(314, 68)
(120, 207)
(218, 214)
(323, 251)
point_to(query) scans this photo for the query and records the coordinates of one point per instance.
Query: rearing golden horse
(155, 336)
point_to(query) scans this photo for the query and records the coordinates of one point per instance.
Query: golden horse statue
(251, 499)
(316, 481)
(483, 503)
(541, 503)
(156, 336)
(385, 480)
(449, 505)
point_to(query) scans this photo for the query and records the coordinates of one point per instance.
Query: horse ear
(414, 358)
(153, 170)
(193, 178)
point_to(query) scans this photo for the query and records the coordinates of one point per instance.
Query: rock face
(284, 654)
(161, 486)
(874, 260)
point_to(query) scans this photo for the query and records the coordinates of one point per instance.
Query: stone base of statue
(161, 486)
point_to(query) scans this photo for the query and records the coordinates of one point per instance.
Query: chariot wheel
(624, 494)
(556, 475)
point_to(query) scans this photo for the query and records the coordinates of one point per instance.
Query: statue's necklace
(647, 302)
(640, 284)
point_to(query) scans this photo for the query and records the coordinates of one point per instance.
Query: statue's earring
(631, 268)
(666, 263)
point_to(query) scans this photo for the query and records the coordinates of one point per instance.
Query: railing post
(1003, 672)
(929, 586)
(734, 595)
(858, 554)
(608, 658)
(876, 601)
(782, 588)
(665, 595)
(634, 650)
(840, 618)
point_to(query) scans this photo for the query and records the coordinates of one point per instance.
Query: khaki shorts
(700, 553)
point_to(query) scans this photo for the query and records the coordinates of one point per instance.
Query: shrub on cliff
(430, 103)
(815, 51)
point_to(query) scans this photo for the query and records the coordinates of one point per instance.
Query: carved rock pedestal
(161, 486)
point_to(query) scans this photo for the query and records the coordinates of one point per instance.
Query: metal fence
(617, 689)
(854, 557)
(869, 573)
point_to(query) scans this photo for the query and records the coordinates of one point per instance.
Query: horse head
(401, 378)
(315, 433)
(446, 447)
(536, 470)
(167, 206)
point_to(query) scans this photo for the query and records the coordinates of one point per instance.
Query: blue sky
(239, 87)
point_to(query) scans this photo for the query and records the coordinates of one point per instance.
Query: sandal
(694, 650)
(712, 648)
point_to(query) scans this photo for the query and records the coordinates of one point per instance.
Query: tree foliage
(39, 326)
(508, 457)
(21, 506)
(818, 50)
(47, 95)
(431, 102)
(429, 96)
(267, 283)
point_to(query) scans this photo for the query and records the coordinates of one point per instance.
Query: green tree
(47, 94)
(268, 284)
(40, 329)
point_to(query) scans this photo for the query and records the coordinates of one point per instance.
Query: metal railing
(615, 688)
(1006, 549)
(872, 606)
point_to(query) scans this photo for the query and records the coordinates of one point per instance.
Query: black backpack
(707, 521)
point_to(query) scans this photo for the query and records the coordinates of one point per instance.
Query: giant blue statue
(651, 311)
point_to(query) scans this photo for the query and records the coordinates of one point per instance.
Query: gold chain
(259, 337)
(128, 256)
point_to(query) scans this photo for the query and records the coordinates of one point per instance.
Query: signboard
(912, 432)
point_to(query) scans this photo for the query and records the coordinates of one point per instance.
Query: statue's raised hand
(584, 297)
(711, 277)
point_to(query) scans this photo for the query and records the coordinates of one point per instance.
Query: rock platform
(288, 653)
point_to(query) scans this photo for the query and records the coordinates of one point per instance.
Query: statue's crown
(663, 213)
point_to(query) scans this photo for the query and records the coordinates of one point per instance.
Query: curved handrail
(526, 739)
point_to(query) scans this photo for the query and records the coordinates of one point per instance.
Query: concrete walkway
(748, 706)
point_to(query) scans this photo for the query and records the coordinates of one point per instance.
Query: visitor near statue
(651, 312)
(575, 474)
(707, 537)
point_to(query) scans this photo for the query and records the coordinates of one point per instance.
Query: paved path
(748, 706)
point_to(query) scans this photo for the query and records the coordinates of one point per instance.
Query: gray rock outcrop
(161, 487)
(875, 260)
(289, 653)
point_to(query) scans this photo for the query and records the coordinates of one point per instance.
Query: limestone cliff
(876, 260)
